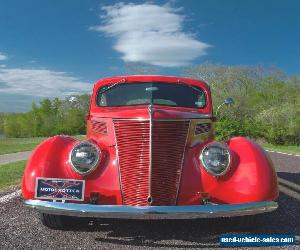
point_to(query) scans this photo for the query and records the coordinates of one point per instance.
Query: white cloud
(150, 33)
(2, 56)
(40, 83)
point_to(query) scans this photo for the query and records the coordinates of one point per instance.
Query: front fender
(252, 177)
(51, 160)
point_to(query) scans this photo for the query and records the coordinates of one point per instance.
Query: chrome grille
(159, 177)
(133, 152)
(168, 144)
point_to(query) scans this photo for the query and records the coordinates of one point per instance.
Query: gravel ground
(20, 227)
(8, 158)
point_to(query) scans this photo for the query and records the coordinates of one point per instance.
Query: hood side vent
(202, 128)
(99, 127)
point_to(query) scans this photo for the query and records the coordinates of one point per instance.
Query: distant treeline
(49, 118)
(267, 107)
(267, 102)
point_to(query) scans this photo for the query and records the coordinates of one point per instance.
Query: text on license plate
(59, 189)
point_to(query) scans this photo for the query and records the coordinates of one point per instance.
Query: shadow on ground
(197, 233)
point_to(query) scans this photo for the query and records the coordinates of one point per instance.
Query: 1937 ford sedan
(150, 153)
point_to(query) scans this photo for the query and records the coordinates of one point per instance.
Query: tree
(49, 118)
(266, 101)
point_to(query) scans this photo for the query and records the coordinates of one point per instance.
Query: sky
(60, 48)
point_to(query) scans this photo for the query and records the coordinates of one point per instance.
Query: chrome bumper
(151, 212)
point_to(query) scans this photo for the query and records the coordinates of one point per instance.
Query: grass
(13, 145)
(11, 173)
(281, 148)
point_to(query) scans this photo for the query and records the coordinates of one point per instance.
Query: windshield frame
(158, 104)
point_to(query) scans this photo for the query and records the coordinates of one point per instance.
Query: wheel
(57, 221)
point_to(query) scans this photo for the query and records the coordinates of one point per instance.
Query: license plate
(59, 189)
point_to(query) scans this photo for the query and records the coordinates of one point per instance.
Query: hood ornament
(150, 109)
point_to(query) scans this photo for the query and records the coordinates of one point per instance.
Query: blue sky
(59, 48)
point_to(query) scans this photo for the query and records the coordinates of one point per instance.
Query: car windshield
(160, 93)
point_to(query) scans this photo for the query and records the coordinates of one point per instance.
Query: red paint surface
(251, 176)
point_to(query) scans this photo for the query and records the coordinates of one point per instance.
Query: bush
(267, 103)
(227, 128)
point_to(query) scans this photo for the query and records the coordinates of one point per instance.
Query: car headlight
(85, 157)
(215, 158)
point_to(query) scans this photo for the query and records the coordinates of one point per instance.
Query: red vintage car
(150, 153)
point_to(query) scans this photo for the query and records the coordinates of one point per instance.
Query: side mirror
(228, 101)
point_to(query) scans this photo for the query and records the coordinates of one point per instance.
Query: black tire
(57, 221)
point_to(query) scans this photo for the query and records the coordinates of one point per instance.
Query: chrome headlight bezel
(95, 163)
(208, 169)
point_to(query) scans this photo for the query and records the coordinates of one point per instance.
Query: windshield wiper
(112, 85)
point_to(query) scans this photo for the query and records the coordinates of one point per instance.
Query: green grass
(13, 145)
(11, 173)
(285, 149)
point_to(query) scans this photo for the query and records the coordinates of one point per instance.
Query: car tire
(56, 221)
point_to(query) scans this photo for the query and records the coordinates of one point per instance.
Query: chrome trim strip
(151, 212)
(150, 108)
